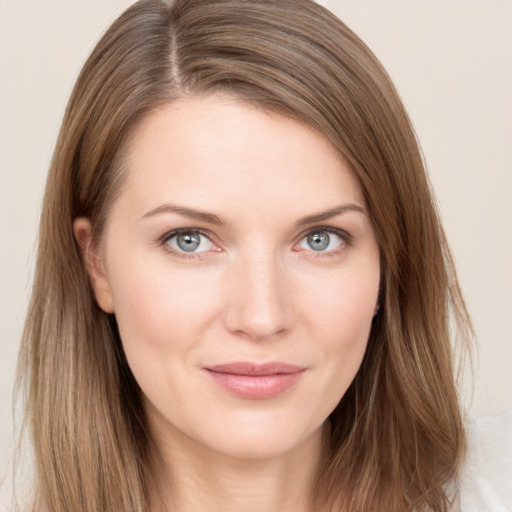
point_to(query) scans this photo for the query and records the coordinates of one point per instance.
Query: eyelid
(175, 232)
(329, 229)
(344, 235)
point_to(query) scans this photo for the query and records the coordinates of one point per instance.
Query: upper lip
(248, 368)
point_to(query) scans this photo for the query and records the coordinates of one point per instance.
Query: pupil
(318, 241)
(188, 241)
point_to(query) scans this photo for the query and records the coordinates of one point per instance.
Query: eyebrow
(188, 213)
(330, 213)
(211, 218)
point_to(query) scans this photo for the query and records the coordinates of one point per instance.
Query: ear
(93, 264)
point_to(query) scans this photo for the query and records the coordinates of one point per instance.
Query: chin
(261, 438)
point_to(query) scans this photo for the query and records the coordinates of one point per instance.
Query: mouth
(255, 381)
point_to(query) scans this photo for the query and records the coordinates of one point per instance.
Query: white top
(486, 479)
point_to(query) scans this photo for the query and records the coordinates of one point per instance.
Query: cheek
(154, 306)
(343, 304)
(340, 323)
(162, 315)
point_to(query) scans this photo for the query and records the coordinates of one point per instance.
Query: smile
(255, 381)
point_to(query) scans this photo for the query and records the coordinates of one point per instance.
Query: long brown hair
(397, 434)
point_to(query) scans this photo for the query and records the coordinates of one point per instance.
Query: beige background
(452, 63)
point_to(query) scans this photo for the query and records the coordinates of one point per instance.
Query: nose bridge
(259, 305)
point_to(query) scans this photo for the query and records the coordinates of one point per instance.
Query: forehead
(216, 148)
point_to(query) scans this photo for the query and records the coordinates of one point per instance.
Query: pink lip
(255, 381)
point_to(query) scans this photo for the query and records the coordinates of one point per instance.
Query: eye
(323, 240)
(189, 241)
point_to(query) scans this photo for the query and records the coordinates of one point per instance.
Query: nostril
(258, 318)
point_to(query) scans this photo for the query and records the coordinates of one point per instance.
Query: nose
(260, 302)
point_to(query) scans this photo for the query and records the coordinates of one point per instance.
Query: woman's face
(243, 271)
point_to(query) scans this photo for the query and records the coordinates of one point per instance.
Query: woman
(243, 292)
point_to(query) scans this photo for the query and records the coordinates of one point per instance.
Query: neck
(192, 478)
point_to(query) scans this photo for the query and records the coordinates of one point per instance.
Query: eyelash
(182, 254)
(346, 242)
(345, 237)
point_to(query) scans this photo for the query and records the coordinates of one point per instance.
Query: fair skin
(274, 276)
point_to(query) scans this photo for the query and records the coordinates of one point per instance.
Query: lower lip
(256, 387)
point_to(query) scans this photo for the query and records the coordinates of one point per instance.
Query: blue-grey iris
(319, 240)
(188, 242)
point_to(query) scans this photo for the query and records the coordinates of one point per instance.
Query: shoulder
(486, 478)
